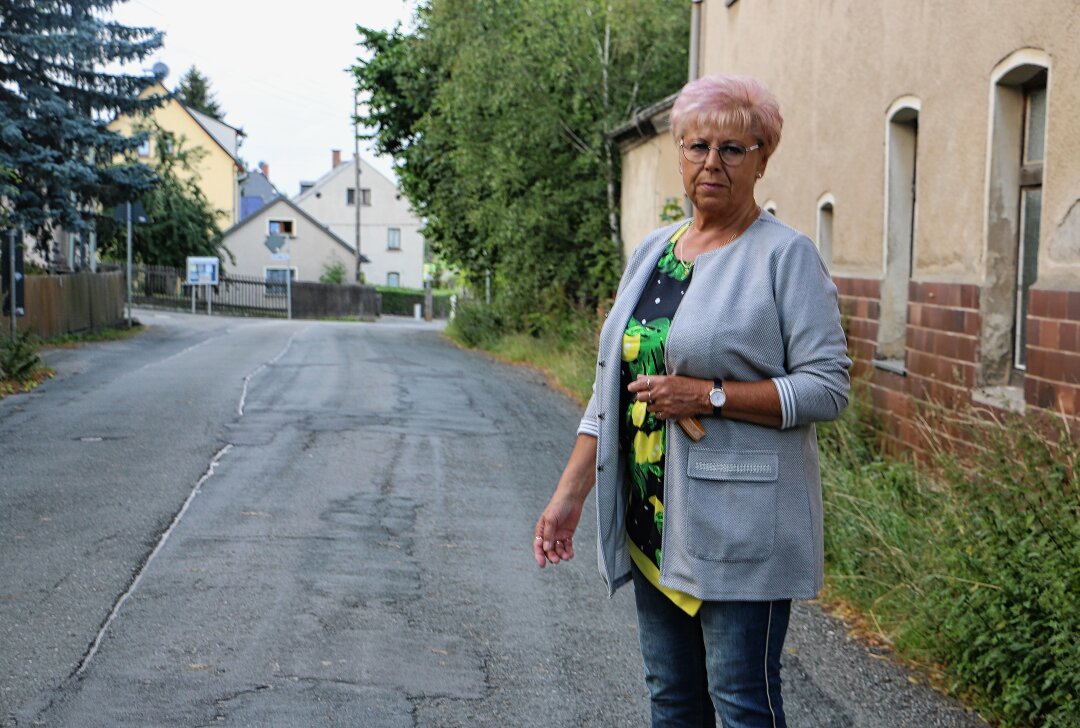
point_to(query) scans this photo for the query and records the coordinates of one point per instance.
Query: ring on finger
(648, 383)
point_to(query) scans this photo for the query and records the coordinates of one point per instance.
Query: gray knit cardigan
(742, 507)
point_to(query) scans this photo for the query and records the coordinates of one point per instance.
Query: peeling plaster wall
(837, 67)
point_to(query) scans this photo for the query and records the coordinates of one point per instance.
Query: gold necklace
(688, 265)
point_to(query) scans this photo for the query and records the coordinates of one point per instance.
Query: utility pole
(11, 285)
(358, 198)
(128, 276)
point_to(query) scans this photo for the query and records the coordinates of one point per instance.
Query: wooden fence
(81, 302)
(69, 304)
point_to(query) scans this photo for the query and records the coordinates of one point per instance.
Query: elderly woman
(721, 351)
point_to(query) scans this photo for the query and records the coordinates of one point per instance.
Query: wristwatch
(717, 397)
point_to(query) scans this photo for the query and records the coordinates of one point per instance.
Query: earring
(759, 175)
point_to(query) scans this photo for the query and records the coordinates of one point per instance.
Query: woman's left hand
(673, 397)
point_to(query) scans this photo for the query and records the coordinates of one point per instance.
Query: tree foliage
(55, 105)
(497, 113)
(194, 90)
(182, 221)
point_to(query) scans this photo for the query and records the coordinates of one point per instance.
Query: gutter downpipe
(694, 63)
(695, 39)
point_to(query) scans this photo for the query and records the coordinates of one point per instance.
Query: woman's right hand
(553, 538)
(553, 535)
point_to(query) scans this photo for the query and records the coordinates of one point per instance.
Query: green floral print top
(641, 434)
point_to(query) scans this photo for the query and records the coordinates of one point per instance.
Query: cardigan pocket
(731, 504)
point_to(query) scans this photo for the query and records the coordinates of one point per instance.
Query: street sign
(138, 213)
(202, 271)
(13, 276)
(274, 242)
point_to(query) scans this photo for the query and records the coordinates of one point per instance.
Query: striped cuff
(787, 401)
(588, 426)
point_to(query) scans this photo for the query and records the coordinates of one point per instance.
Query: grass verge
(70, 341)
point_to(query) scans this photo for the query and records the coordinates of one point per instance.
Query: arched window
(1014, 208)
(901, 146)
(825, 228)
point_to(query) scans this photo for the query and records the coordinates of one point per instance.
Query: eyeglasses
(731, 154)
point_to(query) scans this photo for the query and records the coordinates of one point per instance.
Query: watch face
(717, 397)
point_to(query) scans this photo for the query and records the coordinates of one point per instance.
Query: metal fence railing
(237, 295)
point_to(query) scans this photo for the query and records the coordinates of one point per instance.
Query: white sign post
(275, 243)
(203, 271)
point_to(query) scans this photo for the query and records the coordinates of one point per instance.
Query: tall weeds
(968, 560)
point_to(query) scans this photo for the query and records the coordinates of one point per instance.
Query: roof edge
(645, 124)
(284, 198)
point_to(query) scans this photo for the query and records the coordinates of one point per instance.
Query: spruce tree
(194, 90)
(56, 101)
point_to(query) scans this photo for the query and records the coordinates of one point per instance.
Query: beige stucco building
(389, 231)
(311, 247)
(930, 148)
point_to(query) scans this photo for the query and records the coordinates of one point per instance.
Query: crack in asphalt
(84, 662)
(133, 585)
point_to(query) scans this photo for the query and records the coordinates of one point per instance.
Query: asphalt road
(237, 522)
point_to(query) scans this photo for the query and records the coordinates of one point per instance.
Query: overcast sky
(277, 74)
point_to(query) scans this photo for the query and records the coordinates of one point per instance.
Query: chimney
(335, 158)
(265, 169)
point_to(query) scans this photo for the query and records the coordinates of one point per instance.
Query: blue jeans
(726, 657)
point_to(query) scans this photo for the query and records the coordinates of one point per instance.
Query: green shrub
(477, 324)
(970, 560)
(333, 273)
(1009, 608)
(18, 357)
(400, 301)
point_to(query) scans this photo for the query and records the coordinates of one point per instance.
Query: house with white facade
(389, 231)
(312, 248)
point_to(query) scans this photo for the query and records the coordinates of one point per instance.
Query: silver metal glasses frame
(719, 152)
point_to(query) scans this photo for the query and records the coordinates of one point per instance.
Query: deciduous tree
(498, 114)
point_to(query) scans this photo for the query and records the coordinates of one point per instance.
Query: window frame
(1002, 310)
(274, 288)
(291, 224)
(1030, 185)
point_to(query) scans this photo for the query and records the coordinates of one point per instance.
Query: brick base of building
(941, 364)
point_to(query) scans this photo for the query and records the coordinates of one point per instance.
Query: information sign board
(202, 271)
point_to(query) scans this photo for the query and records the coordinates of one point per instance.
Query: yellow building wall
(215, 171)
(650, 174)
(837, 67)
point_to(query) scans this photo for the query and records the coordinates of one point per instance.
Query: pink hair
(721, 101)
